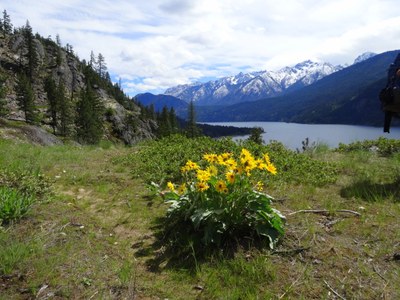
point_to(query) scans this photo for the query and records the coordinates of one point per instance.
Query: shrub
(18, 192)
(13, 204)
(27, 182)
(218, 202)
(160, 161)
(300, 168)
(384, 146)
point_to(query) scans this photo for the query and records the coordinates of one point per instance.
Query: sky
(151, 45)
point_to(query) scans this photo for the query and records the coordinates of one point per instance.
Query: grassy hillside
(93, 230)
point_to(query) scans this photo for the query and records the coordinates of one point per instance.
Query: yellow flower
(190, 165)
(202, 186)
(271, 168)
(203, 175)
(230, 177)
(220, 186)
(211, 158)
(231, 163)
(171, 186)
(245, 155)
(266, 158)
(260, 164)
(182, 189)
(259, 186)
(224, 158)
(249, 165)
(238, 170)
(212, 170)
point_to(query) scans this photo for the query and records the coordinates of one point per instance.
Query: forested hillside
(44, 83)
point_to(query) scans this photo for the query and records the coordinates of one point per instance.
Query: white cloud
(156, 44)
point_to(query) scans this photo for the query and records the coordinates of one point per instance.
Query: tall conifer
(4, 110)
(51, 91)
(26, 98)
(89, 122)
(191, 127)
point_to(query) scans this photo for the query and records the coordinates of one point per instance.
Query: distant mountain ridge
(160, 101)
(348, 96)
(253, 86)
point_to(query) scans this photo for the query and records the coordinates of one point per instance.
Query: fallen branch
(333, 291)
(291, 251)
(377, 272)
(294, 283)
(325, 211)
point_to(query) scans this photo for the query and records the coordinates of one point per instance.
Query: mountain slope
(160, 101)
(325, 101)
(253, 86)
(53, 79)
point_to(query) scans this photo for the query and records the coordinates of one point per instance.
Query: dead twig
(377, 272)
(333, 291)
(291, 251)
(294, 283)
(325, 211)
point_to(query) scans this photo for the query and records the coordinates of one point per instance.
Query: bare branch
(333, 291)
(325, 211)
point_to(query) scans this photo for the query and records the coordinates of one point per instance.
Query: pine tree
(191, 127)
(6, 24)
(66, 118)
(26, 98)
(4, 110)
(32, 54)
(51, 90)
(101, 66)
(89, 123)
(256, 135)
(59, 52)
(164, 125)
(173, 121)
(92, 60)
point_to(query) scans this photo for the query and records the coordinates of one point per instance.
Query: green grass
(13, 204)
(93, 232)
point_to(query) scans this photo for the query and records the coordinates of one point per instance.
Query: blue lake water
(292, 134)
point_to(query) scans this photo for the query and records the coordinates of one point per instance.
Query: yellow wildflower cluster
(189, 166)
(223, 171)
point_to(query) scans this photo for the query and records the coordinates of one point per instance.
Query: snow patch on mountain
(363, 57)
(252, 86)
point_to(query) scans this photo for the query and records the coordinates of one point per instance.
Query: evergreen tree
(59, 52)
(92, 60)
(65, 111)
(4, 110)
(173, 121)
(6, 24)
(89, 123)
(101, 66)
(31, 55)
(191, 127)
(51, 91)
(26, 98)
(256, 135)
(164, 125)
(69, 49)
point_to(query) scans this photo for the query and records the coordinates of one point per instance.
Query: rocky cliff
(122, 118)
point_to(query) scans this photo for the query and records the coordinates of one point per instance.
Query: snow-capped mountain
(363, 57)
(253, 86)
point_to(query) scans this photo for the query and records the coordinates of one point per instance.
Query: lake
(292, 134)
